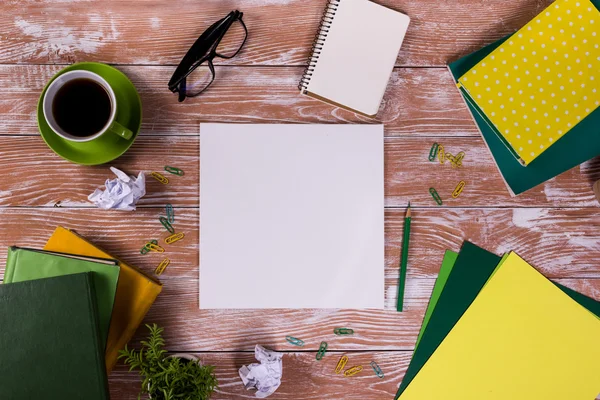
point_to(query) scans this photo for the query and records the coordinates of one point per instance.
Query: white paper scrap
(266, 376)
(121, 193)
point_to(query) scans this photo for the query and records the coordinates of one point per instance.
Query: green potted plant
(179, 376)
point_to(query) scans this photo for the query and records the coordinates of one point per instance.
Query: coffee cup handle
(121, 131)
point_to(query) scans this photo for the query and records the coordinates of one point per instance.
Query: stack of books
(535, 94)
(65, 313)
(496, 328)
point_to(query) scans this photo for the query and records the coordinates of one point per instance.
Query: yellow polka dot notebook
(541, 82)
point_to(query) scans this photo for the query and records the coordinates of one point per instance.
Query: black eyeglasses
(196, 72)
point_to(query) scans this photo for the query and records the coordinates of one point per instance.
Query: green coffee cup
(115, 135)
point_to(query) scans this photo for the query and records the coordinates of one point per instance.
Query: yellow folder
(521, 339)
(136, 291)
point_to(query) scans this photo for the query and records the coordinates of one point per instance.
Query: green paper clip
(170, 213)
(173, 170)
(435, 196)
(166, 224)
(322, 350)
(145, 249)
(377, 370)
(343, 331)
(294, 341)
(433, 152)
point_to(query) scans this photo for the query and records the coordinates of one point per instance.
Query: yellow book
(521, 339)
(543, 80)
(136, 291)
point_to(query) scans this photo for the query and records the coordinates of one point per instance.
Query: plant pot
(186, 356)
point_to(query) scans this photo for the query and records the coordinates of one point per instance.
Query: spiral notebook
(354, 55)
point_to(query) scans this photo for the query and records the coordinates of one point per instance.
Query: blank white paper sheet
(291, 216)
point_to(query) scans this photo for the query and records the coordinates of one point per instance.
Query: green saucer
(108, 146)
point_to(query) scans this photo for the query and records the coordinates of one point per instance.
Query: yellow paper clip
(174, 238)
(154, 247)
(459, 189)
(341, 364)
(456, 161)
(441, 154)
(145, 249)
(435, 196)
(161, 267)
(450, 158)
(459, 158)
(353, 370)
(160, 178)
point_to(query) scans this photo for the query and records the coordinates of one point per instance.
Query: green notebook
(580, 144)
(50, 343)
(470, 272)
(28, 264)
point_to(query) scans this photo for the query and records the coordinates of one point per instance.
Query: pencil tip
(409, 204)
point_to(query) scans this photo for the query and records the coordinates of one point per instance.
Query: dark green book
(580, 144)
(50, 346)
(28, 264)
(472, 269)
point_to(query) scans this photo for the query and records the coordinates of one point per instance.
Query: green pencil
(403, 260)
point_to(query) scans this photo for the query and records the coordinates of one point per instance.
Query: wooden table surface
(555, 226)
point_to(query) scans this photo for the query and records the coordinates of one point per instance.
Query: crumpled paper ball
(121, 193)
(266, 376)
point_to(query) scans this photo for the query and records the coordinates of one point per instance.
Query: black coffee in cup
(81, 107)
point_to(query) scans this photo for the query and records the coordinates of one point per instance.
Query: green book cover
(580, 144)
(472, 269)
(29, 264)
(440, 282)
(50, 342)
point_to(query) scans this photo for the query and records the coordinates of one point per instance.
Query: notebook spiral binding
(317, 46)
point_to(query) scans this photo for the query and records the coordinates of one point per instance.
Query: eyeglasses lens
(232, 41)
